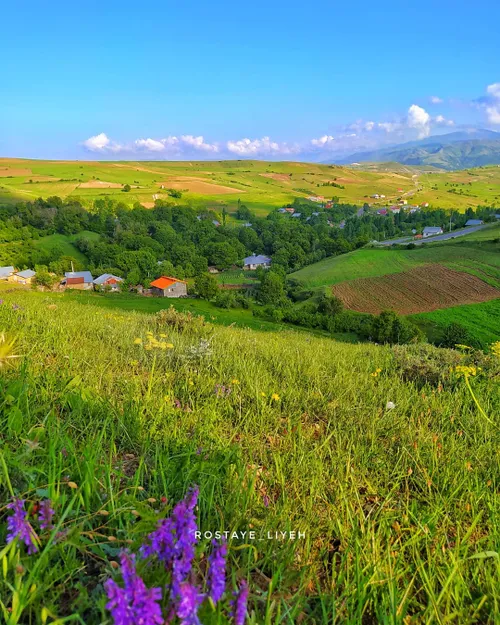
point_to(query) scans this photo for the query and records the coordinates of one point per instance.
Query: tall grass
(399, 505)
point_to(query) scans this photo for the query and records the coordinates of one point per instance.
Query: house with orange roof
(169, 287)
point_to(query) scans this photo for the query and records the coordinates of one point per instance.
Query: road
(439, 237)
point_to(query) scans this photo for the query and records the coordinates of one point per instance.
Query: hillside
(459, 150)
(282, 432)
(260, 185)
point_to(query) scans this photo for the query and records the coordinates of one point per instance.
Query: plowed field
(422, 289)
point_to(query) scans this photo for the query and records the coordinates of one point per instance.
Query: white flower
(390, 405)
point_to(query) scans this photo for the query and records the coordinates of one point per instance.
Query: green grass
(482, 321)
(481, 258)
(64, 242)
(252, 181)
(399, 506)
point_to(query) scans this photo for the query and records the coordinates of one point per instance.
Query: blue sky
(261, 79)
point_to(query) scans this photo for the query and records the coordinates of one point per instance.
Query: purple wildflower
(15, 307)
(18, 526)
(45, 515)
(217, 571)
(1, 302)
(135, 604)
(222, 391)
(190, 599)
(240, 603)
(174, 540)
(266, 501)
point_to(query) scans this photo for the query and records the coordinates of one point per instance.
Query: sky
(212, 80)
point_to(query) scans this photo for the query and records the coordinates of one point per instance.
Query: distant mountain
(457, 150)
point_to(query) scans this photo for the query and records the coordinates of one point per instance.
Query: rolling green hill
(380, 456)
(262, 186)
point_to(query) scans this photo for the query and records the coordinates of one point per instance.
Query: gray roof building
(107, 276)
(5, 272)
(474, 222)
(86, 275)
(27, 273)
(257, 260)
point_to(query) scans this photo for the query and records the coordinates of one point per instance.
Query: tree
(455, 334)
(330, 305)
(44, 278)
(389, 328)
(126, 188)
(272, 288)
(206, 286)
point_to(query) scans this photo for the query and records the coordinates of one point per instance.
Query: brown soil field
(418, 290)
(282, 177)
(197, 185)
(100, 184)
(42, 179)
(148, 204)
(5, 172)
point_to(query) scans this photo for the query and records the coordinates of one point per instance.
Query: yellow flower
(466, 371)
(6, 350)
(235, 381)
(378, 370)
(191, 383)
(275, 397)
(170, 346)
(138, 341)
(263, 394)
(374, 374)
(163, 336)
(134, 363)
(495, 349)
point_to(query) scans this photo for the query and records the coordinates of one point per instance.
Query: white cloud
(97, 143)
(253, 147)
(419, 119)
(389, 126)
(440, 120)
(151, 145)
(323, 141)
(198, 143)
(493, 108)
(369, 126)
(436, 99)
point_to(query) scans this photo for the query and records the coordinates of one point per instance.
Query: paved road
(439, 237)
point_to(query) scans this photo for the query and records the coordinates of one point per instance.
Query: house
(497, 216)
(382, 196)
(247, 225)
(250, 263)
(81, 280)
(216, 223)
(417, 236)
(281, 210)
(290, 210)
(24, 277)
(474, 222)
(375, 196)
(6, 273)
(169, 287)
(213, 269)
(430, 231)
(297, 215)
(425, 204)
(396, 209)
(382, 211)
(108, 282)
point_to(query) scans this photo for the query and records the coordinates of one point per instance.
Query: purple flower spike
(45, 515)
(174, 540)
(18, 526)
(190, 599)
(135, 604)
(240, 604)
(217, 571)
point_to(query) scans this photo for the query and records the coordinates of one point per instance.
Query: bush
(455, 334)
(389, 328)
(425, 364)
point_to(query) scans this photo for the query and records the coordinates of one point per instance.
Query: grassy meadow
(261, 185)
(381, 456)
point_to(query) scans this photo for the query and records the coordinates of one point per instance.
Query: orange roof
(164, 282)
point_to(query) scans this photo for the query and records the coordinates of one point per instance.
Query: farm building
(297, 215)
(169, 287)
(213, 269)
(108, 281)
(382, 211)
(6, 273)
(289, 209)
(474, 222)
(24, 277)
(281, 210)
(81, 280)
(430, 231)
(253, 262)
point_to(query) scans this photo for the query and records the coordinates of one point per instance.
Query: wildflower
(45, 515)
(18, 526)
(6, 349)
(170, 346)
(174, 539)
(390, 405)
(265, 500)
(134, 604)
(16, 307)
(217, 571)
(262, 394)
(466, 371)
(188, 605)
(495, 349)
(235, 381)
(275, 397)
(240, 603)
(163, 336)
(222, 391)
(138, 341)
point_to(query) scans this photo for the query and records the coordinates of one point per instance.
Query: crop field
(261, 185)
(393, 484)
(480, 258)
(420, 289)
